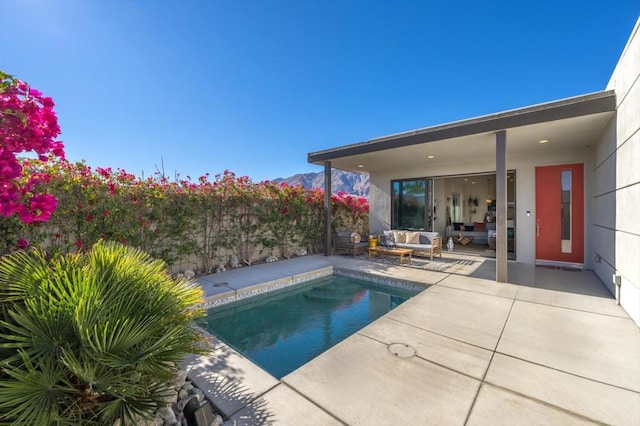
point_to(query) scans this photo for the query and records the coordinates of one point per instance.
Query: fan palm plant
(91, 338)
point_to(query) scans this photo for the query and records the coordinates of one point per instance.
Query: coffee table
(391, 251)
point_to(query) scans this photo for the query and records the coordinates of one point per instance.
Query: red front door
(560, 213)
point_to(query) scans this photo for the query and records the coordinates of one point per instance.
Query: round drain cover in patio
(401, 350)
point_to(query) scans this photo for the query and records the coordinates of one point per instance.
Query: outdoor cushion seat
(347, 242)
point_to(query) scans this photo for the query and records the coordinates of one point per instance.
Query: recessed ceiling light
(360, 165)
(465, 179)
(430, 156)
(473, 182)
(543, 141)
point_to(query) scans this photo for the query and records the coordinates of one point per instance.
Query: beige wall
(616, 194)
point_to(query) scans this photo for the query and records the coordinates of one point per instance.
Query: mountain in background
(341, 181)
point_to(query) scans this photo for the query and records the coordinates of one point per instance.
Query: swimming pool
(282, 332)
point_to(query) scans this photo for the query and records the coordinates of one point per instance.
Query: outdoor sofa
(423, 243)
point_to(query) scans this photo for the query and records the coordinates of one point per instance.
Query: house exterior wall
(616, 195)
(524, 166)
(612, 187)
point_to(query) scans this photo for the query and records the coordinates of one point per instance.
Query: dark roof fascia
(578, 106)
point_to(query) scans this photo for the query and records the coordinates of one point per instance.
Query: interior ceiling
(479, 180)
(571, 133)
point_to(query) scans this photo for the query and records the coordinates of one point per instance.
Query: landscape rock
(170, 398)
(189, 274)
(167, 415)
(198, 393)
(180, 379)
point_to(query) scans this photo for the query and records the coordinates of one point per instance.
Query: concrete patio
(550, 347)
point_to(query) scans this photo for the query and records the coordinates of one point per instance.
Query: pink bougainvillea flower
(40, 208)
(22, 244)
(27, 124)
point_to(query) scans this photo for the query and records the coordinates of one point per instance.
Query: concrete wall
(616, 195)
(524, 166)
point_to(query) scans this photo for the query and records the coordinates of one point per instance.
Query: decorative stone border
(283, 284)
(270, 290)
(383, 281)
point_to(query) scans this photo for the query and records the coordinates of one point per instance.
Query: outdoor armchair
(347, 242)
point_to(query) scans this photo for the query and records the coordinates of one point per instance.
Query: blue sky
(253, 86)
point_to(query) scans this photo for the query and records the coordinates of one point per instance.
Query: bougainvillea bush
(66, 207)
(208, 220)
(28, 124)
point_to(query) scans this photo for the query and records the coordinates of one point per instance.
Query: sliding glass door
(412, 204)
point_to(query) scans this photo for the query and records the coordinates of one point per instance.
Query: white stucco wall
(524, 166)
(616, 195)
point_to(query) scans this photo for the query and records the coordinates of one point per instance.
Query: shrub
(91, 338)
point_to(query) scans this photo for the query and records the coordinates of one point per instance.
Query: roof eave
(593, 103)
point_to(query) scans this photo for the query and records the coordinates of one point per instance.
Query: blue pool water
(282, 332)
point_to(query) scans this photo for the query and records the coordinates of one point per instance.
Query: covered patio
(516, 140)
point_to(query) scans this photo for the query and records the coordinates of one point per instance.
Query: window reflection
(409, 204)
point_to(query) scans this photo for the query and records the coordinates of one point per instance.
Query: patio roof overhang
(572, 122)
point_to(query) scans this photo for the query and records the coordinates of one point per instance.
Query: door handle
(537, 230)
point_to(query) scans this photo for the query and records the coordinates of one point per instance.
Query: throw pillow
(388, 236)
(479, 226)
(424, 239)
(399, 236)
(355, 237)
(468, 228)
(413, 238)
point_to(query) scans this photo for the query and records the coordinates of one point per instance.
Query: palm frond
(32, 394)
(91, 338)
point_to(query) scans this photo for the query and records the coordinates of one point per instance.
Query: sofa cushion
(399, 236)
(416, 247)
(412, 238)
(427, 236)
